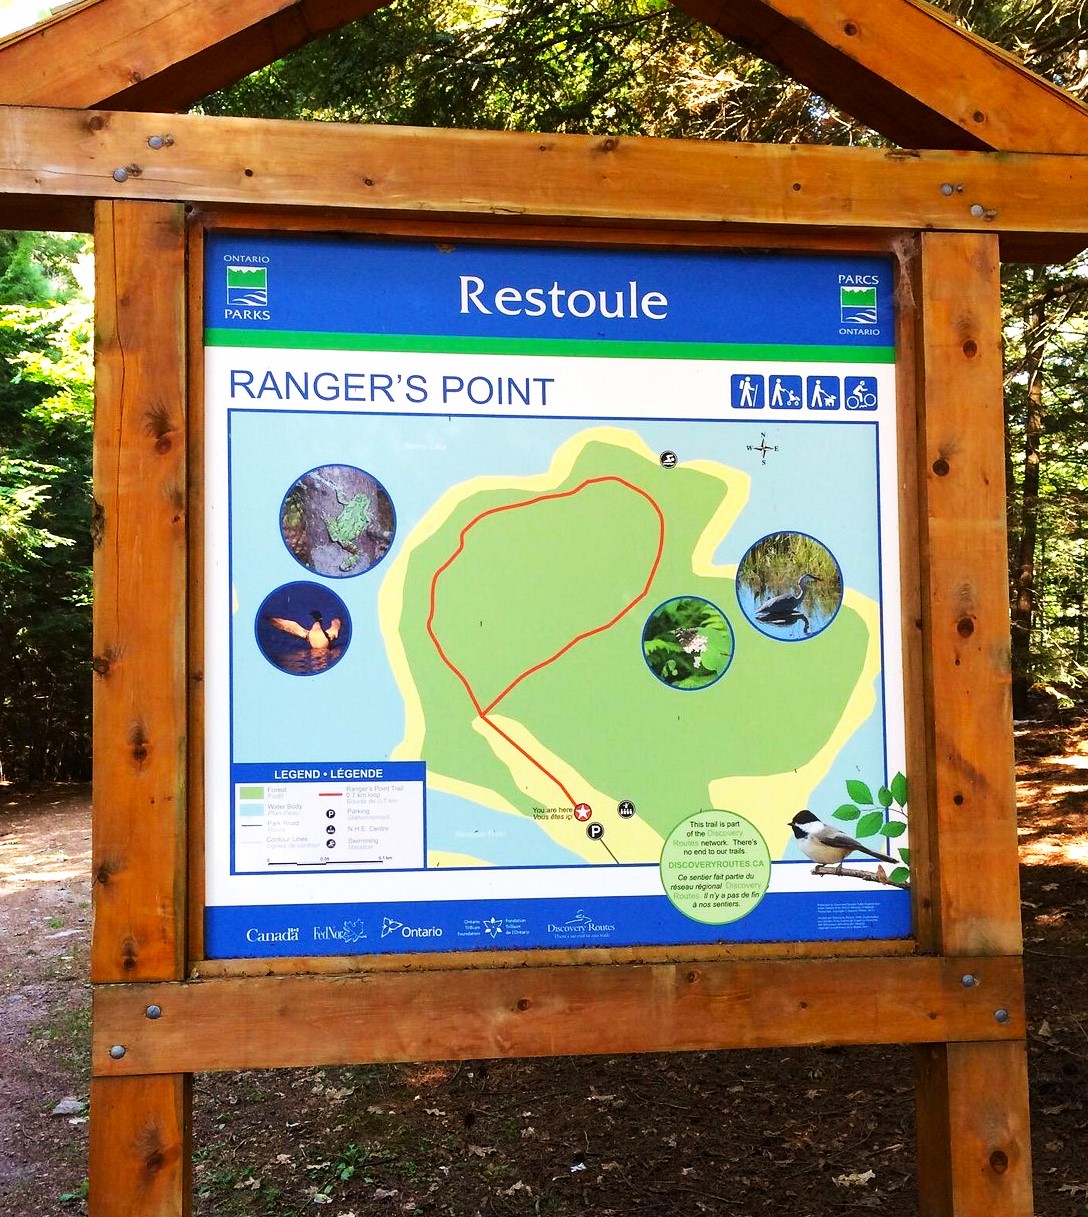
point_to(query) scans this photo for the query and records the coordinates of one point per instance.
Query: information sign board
(552, 597)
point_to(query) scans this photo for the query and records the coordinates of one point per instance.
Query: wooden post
(972, 1103)
(139, 1146)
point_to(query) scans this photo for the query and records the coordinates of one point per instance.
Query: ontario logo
(390, 925)
(857, 300)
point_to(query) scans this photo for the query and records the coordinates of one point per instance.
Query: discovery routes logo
(582, 926)
(247, 289)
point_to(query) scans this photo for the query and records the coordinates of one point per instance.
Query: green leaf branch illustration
(876, 821)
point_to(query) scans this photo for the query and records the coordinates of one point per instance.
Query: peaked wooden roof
(902, 67)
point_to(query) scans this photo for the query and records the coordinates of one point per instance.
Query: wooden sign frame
(161, 1012)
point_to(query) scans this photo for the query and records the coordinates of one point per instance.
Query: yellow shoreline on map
(771, 799)
(630, 840)
(438, 859)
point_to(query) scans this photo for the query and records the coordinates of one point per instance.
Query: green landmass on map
(529, 580)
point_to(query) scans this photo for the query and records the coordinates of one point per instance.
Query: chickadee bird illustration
(827, 846)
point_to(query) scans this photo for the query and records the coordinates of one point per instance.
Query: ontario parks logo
(247, 286)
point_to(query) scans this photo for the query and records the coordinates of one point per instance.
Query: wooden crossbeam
(904, 68)
(271, 1022)
(397, 171)
(165, 55)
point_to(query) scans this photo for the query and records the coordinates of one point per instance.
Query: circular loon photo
(303, 628)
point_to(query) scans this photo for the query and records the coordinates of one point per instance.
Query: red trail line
(483, 711)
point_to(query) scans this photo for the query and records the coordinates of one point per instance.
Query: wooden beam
(165, 55)
(974, 1152)
(901, 66)
(423, 172)
(975, 891)
(907, 70)
(139, 1149)
(974, 1137)
(139, 825)
(286, 1021)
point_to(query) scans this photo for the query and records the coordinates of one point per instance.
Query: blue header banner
(307, 284)
(323, 771)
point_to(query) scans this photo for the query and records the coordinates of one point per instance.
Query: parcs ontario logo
(857, 300)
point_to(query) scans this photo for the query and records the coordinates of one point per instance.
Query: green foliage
(884, 816)
(1046, 345)
(46, 412)
(622, 66)
(687, 643)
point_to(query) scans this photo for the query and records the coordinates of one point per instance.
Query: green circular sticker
(715, 867)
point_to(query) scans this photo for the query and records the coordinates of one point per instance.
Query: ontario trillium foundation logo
(247, 286)
(857, 305)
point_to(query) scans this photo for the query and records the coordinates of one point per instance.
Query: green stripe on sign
(585, 348)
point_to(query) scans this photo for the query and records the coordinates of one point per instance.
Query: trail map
(544, 588)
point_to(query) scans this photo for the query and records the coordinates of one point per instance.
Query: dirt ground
(811, 1132)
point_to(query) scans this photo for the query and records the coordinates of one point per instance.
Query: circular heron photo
(338, 521)
(687, 643)
(303, 628)
(789, 586)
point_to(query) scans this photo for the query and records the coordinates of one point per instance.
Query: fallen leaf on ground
(854, 1179)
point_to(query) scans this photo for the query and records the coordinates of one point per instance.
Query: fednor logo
(857, 305)
(353, 931)
(247, 286)
(350, 931)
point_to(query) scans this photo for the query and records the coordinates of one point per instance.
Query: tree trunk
(1023, 572)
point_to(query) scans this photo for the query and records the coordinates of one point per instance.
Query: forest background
(627, 67)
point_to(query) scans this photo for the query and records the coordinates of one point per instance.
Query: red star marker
(583, 811)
